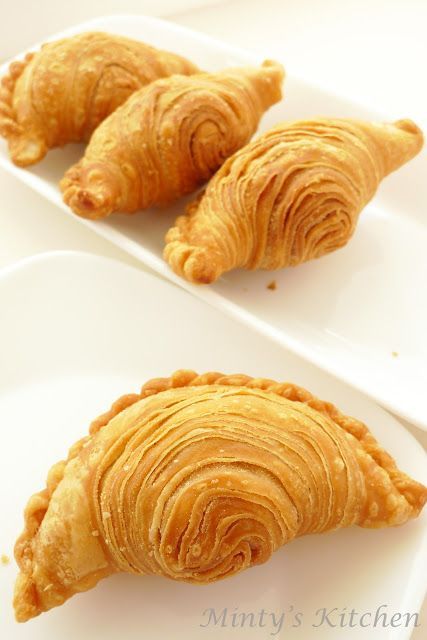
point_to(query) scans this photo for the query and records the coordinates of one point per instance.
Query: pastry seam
(9, 127)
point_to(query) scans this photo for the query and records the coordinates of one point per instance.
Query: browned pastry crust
(198, 477)
(168, 138)
(292, 195)
(62, 93)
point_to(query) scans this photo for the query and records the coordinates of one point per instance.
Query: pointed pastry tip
(26, 151)
(408, 143)
(193, 263)
(410, 127)
(86, 203)
(25, 599)
(274, 74)
(88, 194)
(400, 142)
(267, 81)
(276, 69)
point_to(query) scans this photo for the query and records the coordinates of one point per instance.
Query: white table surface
(373, 51)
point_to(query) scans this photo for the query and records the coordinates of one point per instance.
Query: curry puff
(292, 195)
(168, 138)
(197, 478)
(61, 93)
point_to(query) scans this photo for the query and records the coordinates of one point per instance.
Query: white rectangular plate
(76, 332)
(360, 313)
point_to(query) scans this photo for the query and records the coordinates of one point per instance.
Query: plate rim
(413, 595)
(41, 257)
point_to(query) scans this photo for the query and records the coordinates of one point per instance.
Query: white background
(373, 51)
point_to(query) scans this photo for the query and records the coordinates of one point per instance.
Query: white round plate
(77, 331)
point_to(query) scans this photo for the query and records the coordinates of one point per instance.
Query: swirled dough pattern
(64, 91)
(199, 477)
(168, 138)
(292, 195)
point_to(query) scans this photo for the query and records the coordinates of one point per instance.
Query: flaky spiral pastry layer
(168, 138)
(292, 195)
(64, 91)
(199, 477)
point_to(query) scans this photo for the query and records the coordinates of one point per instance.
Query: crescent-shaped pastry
(197, 478)
(64, 91)
(292, 195)
(168, 138)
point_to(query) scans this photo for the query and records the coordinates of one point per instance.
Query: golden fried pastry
(197, 478)
(64, 91)
(290, 196)
(168, 138)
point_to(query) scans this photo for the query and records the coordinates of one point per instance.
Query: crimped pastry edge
(9, 127)
(38, 503)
